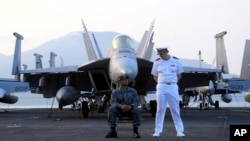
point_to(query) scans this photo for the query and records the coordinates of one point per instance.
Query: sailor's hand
(125, 108)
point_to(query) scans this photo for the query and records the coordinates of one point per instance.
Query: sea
(31, 100)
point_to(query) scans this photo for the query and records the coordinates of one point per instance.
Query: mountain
(71, 49)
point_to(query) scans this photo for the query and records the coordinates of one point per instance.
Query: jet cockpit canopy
(122, 41)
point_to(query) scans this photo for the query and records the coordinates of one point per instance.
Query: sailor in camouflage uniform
(124, 101)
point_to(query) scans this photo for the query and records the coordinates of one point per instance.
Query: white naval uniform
(167, 92)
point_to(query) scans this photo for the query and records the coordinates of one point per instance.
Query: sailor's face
(123, 82)
(164, 54)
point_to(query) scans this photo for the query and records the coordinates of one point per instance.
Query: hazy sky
(186, 26)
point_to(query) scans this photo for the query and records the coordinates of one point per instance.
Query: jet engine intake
(67, 95)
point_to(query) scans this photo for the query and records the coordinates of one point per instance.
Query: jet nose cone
(129, 70)
(126, 72)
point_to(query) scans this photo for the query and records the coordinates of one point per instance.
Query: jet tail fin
(146, 45)
(16, 66)
(97, 46)
(245, 67)
(89, 47)
(221, 57)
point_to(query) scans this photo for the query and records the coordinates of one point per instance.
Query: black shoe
(111, 134)
(136, 135)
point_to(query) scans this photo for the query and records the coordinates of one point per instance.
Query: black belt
(168, 83)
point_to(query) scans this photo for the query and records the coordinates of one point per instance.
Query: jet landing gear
(206, 100)
(216, 105)
(203, 106)
(82, 105)
(153, 107)
(85, 109)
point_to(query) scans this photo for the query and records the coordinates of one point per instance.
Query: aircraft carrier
(39, 124)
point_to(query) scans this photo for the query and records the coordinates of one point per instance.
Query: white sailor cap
(161, 49)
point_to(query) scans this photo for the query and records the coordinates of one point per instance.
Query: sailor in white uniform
(166, 72)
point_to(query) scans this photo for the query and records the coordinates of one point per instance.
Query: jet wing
(195, 69)
(191, 77)
(196, 77)
(239, 85)
(97, 73)
(98, 70)
(12, 86)
(96, 64)
(48, 81)
(94, 74)
(144, 80)
(50, 70)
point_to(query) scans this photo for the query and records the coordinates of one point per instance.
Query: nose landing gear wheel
(216, 105)
(85, 109)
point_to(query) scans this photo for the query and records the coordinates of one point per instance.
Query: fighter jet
(242, 84)
(88, 86)
(9, 86)
(234, 85)
(216, 83)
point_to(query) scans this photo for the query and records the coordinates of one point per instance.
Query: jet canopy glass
(122, 41)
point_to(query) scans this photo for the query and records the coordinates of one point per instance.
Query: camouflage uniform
(128, 97)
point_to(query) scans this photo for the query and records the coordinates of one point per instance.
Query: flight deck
(39, 124)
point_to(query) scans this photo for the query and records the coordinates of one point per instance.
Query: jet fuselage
(122, 59)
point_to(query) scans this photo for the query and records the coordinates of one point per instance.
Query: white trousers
(168, 95)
